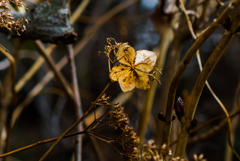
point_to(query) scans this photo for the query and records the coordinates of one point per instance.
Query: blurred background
(140, 24)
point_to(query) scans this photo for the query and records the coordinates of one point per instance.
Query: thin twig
(38, 143)
(121, 98)
(13, 67)
(235, 121)
(102, 20)
(78, 106)
(56, 71)
(9, 97)
(74, 125)
(79, 11)
(28, 75)
(188, 19)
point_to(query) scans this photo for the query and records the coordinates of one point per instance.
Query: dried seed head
(198, 158)
(128, 138)
(7, 19)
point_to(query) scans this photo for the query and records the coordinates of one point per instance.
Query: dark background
(132, 25)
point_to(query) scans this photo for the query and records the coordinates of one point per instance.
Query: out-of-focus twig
(56, 72)
(78, 105)
(13, 66)
(166, 38)
(79, 11)
(28, 75)
(102, 20)
(7, 101)
(40, 60)
(8, 95)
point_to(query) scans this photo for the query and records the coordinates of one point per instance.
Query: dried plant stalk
(196, 93)
(185, 62)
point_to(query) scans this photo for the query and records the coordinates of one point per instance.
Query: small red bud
(179, 108)
(161, 117)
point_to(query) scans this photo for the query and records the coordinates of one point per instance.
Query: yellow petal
(126, 54)
(145, 60)
(127, 81)
(117, 71)
(142, 80)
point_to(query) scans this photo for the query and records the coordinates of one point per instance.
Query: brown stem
(8, 98)
(185, 62)
(38, 143)
(235, 120)
(197, 90)
(78, 106)
(56, 71)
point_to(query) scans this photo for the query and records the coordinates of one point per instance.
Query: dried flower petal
(118, 71)
(145, 60)
(126, 54)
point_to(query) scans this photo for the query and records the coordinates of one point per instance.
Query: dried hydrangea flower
(134, 67)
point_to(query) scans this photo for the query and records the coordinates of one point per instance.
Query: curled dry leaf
(134, 68)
